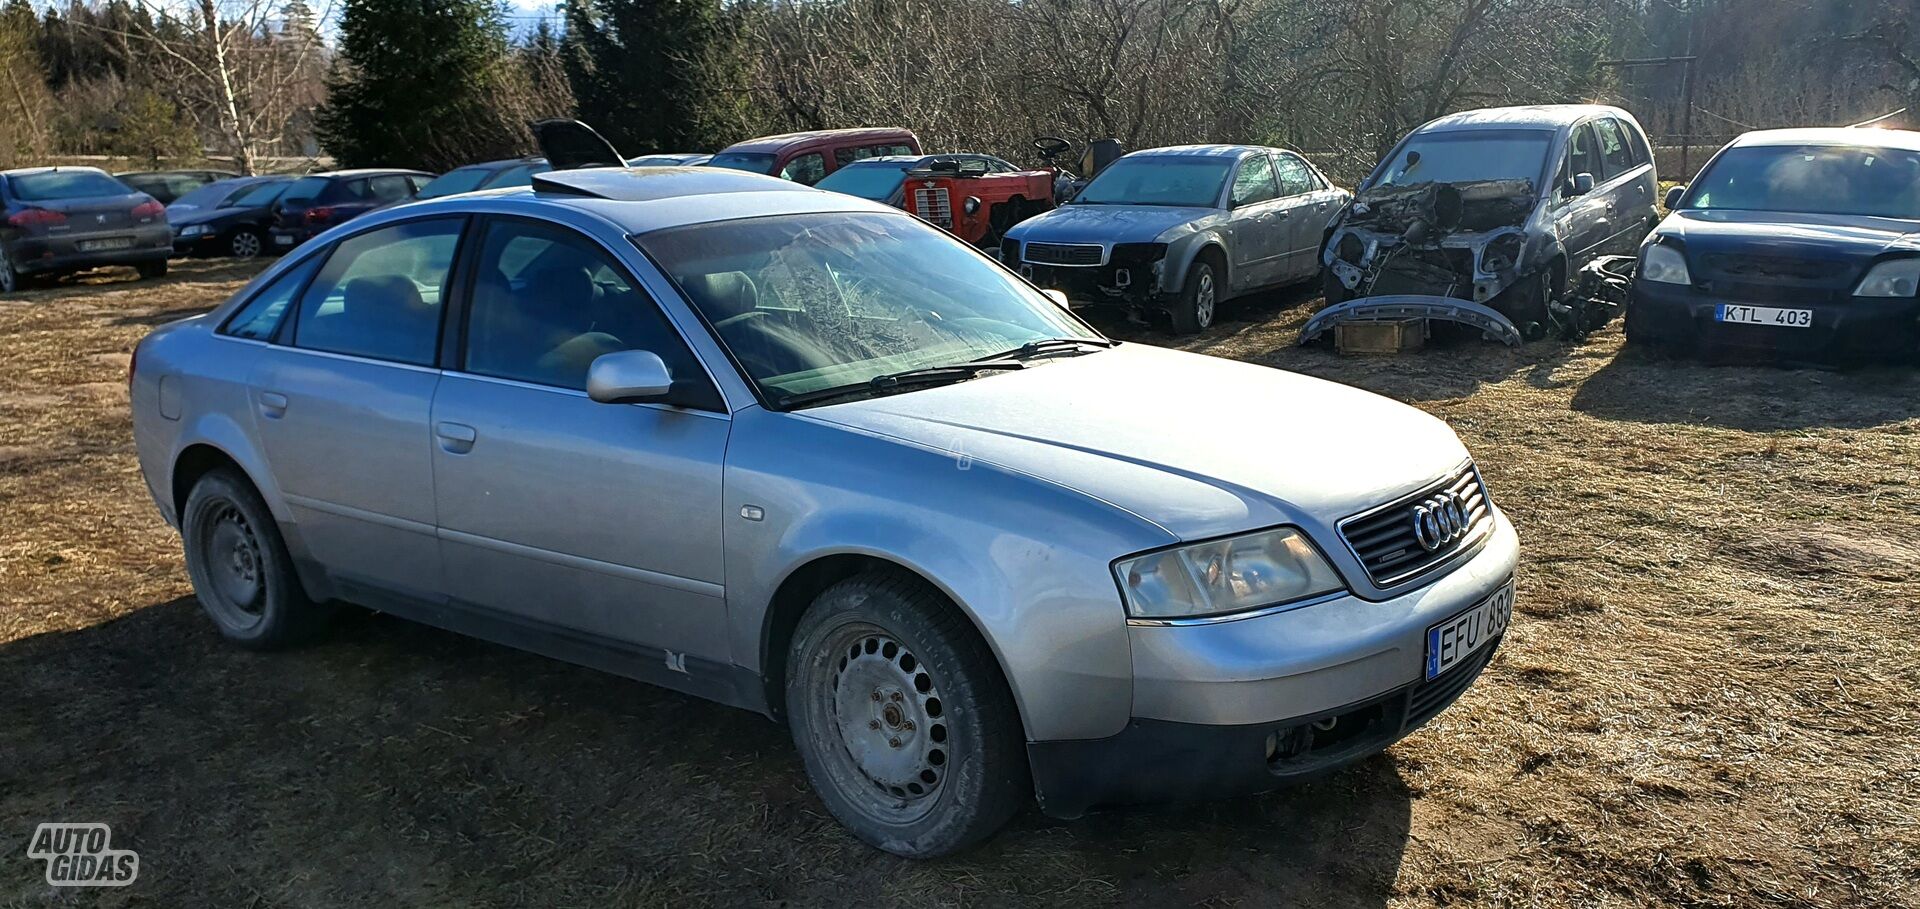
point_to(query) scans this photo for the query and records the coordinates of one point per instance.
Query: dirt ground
(1707, 699)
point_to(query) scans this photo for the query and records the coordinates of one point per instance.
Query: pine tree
(413, 85)
(654, 75)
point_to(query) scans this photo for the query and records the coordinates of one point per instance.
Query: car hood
(1085, 223)
(1849, 238)
(194, 214)
(1197, 445)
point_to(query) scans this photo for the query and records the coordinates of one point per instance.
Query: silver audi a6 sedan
(800, 453)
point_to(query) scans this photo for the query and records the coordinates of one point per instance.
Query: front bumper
(38, 255)
(1843, 328)
(1135, 285)
(1229, 708)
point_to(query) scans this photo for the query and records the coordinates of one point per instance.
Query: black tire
(1526, 302)
(1335, 292)
(907, 729)
(151, 270)
(9, 279)
(246, 243)
(1199, 302)
(240, 568)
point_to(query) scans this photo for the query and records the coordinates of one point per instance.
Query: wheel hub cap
(246, 245)
(1203, 300)
(889, 717)
(234, 562)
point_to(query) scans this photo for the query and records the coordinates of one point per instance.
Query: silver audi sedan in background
(800, 453)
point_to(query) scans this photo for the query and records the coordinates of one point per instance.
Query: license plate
(1764, 315)
(1452, 641)
(109, 243)
(282, 240)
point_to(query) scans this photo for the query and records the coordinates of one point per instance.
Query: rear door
(342, 408)
(558, 510)
(1309, 203)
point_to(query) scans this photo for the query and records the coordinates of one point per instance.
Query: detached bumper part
(1161, 761)
(1482, 318)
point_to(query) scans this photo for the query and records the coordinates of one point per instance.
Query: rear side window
(805, 170)
(1636, 143)
(379, 295)
(55, 185)
(261, 316)
(1296, 178)
(350, 191)
(394, 188)
(1614, 151)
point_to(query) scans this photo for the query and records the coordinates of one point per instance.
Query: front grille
(1064, 254)
(933, 205)
(1385, 540)
(1737, 267)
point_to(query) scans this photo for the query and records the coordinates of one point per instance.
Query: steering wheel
(1050, 146)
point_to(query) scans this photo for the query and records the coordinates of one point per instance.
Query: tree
(391, 102)
(654, 75)
(24, 101)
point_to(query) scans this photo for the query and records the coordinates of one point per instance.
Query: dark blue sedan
(1800, 244)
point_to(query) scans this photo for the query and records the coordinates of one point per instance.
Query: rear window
(306, 189)
(754, 161)
(53, 186)
(465, 179)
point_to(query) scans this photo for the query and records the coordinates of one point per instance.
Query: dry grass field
(1708, 697)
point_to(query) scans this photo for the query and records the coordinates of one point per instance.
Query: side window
(547, 302)
(260, 317)
(1614, 152)
(380, 292)
(1582, 157)
(351, 191)
(1296, 178)
(1254, 183)
(391, 188)
(1636, 143)
(845, 156)
(806, 169)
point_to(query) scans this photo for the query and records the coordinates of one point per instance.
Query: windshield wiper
(912, 378)
(1033, 349)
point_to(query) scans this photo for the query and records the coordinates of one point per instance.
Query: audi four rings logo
(1440, 520)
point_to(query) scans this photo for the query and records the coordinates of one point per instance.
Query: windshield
(259, 194)
(1158, 180)
(306, 189)
(460, 180)
(517, 175)
(757, 162)
(55, 185)
(868, 181)
(815, 301)
(1468, 156)
(1812, 179)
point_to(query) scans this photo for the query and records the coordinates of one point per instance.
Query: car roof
(643, 199)
(1198, 151)
(788, 140)
(1903, 139)
(1534, 116)
(29, 171)
(368, 172)
(502, 163)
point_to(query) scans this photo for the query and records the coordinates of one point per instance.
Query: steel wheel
(888, 716)
(235, 566)
(244, 244)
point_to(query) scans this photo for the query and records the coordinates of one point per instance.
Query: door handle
(457, 438)
(273, 404)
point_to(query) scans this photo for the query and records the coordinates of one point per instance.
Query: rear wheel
(9, 279)
(907, 730)
(1199, 300)
(245, 243)
(240, 569)
(151, 270)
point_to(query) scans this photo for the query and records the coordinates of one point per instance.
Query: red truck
(808, 157)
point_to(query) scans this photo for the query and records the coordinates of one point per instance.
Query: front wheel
(245, 243)
(907, 729)
(9, 279)
(1199, 300)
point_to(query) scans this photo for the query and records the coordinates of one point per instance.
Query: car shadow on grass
(1642, 387)
(395, 764)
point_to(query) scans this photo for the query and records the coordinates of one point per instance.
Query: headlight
(1665, 265)
(1231, 575)
(1137, 253)
(193, 230)
(1898, 278)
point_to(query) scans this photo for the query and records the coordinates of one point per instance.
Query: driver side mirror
(629, 377)
(1582, 184)
(1674, 194)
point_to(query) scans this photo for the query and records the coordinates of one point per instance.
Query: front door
(1582, 221)
(342, 410)
(1260, 223)
(555, 509)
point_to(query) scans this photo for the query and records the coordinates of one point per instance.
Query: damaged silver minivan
(1482, 218)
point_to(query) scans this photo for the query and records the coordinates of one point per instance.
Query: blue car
(1800, 244)
(1178, 231)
